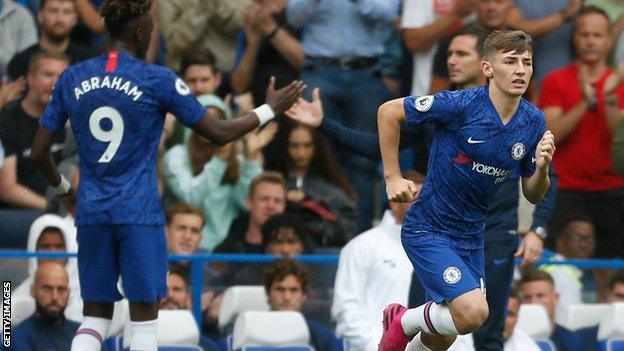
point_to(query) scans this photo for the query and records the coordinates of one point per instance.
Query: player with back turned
(483, 137)
(116, 104)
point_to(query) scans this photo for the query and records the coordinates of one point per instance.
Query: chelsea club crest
(518, 151)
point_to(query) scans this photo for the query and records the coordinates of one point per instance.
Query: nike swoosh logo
(471, 141)
(500, 261)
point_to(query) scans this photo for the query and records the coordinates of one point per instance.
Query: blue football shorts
(445, 271)
(136, 252)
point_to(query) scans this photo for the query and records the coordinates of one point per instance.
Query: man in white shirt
(577, 240)
(373, 271)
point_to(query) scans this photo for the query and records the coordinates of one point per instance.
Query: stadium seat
(239, 299)
(342, 344)
(546, 345)
(615, 345)
(121, 316)
(576, 317)
(270, 329)
(612, 324)
(533, 320)
(175, 328)
(22, 307)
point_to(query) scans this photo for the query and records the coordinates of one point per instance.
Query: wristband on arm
(62, 188)
(265, 113)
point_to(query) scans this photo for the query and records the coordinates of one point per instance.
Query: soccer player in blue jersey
(116, 104)
(483, 137)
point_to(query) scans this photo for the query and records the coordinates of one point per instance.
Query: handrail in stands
(198, 259)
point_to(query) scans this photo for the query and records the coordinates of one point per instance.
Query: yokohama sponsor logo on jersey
(490, 170)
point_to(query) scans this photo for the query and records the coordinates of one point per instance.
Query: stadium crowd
(311, 181)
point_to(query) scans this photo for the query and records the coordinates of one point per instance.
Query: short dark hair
(474, 30)
(506, 41)
(574, 217)
(267, 177)
(593, 10)
(203, 58)
(182, 208)
(617, 278)
(536, 275)
(279, 269)
(177, 269)
(33, 62)
(117, 14)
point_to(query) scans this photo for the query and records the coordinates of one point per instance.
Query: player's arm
(42, 159)
(222, 132)
(389, 118)
(534, 187)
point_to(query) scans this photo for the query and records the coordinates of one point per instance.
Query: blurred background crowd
(310, 182)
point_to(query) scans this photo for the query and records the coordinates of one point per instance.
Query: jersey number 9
(112, 136)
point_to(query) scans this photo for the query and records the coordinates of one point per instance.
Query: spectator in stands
(23, 188)
(47, 329)
(195, 25)
(615, 10)
(215, 179)
(184, 225)
(342, 42)
(514, 338)
(373, 271)
(424, 23)
(179, 298)
(550, 24)
(576, 240)
(17, 31)
(51, 233)
(286, 283)
(267, 47)
(496, 15)
(318, 192)
(538, 287)
(267, 197)
(583, 120)
(198, 70)
(282, 235)
(616, 287)
(57, 18)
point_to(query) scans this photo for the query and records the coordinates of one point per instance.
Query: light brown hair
(267, 177)
(506, 41)
(182, 208)
(33, 62)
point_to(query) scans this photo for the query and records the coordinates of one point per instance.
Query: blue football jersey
(116, 106)
(472, 154)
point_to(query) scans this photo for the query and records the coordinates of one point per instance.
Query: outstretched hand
(545, 151)
(306, 112)
(282, 99)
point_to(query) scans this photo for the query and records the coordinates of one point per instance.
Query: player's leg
(143, 264)
(453, 281)
(98, 270)
(499, 265)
